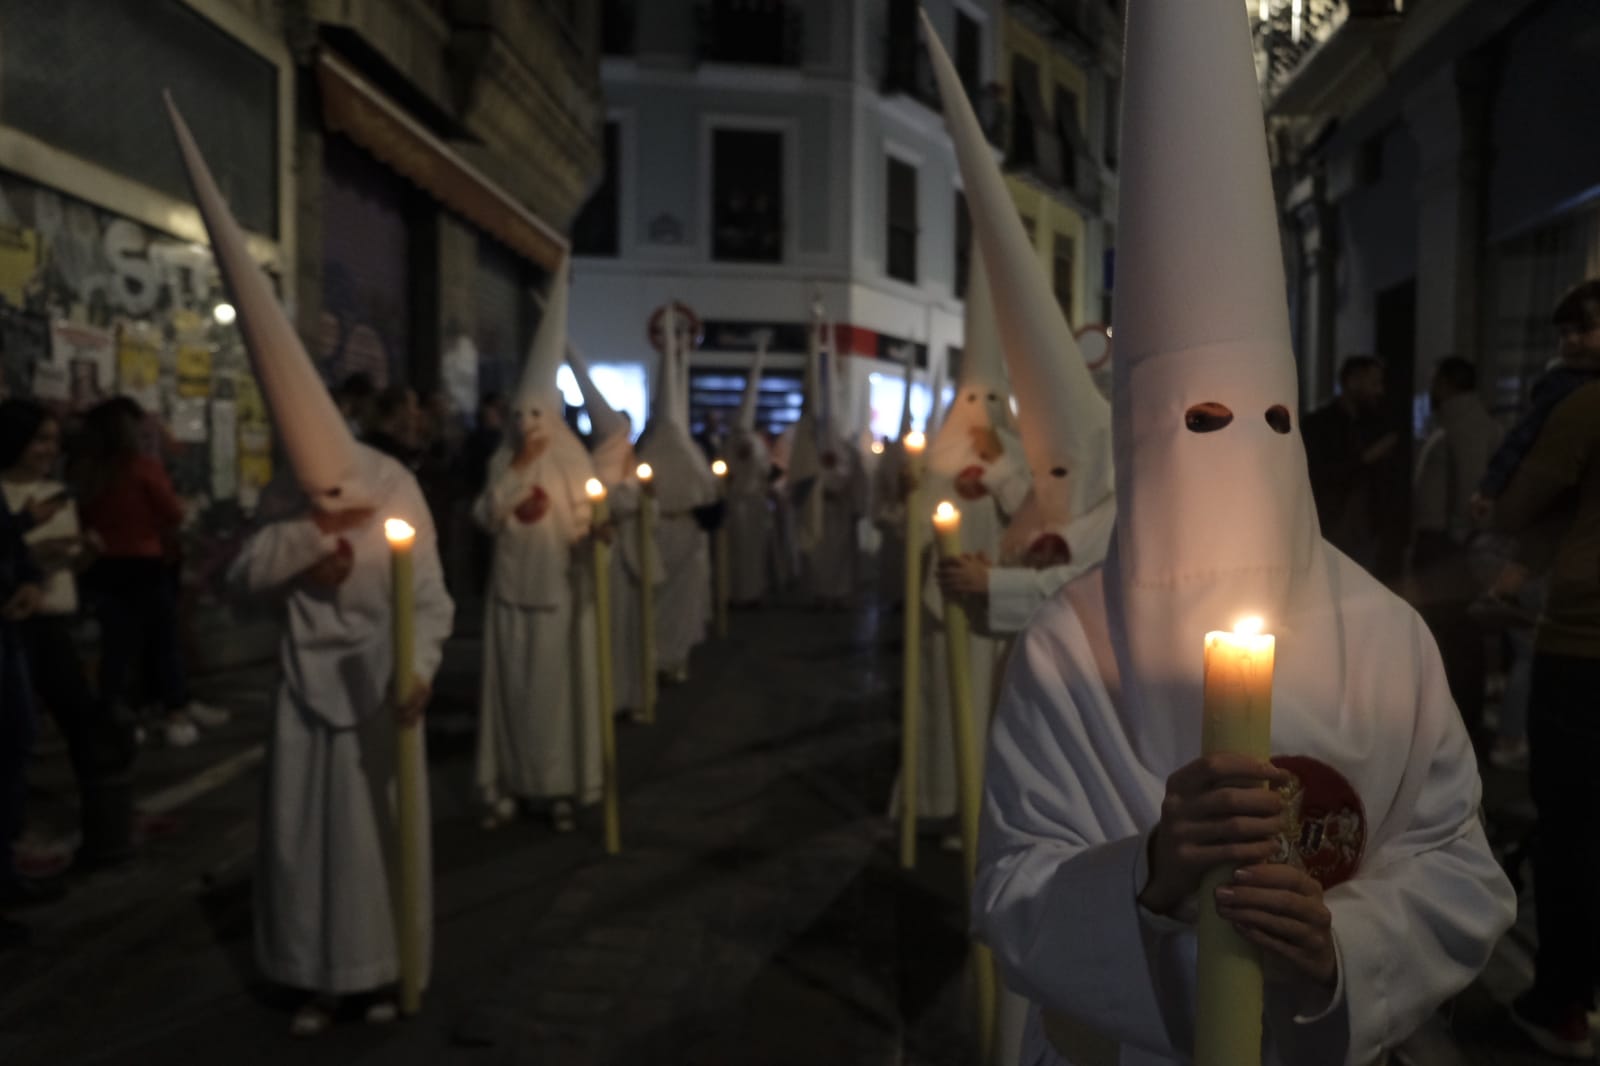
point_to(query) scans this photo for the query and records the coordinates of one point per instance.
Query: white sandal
(382, 1012)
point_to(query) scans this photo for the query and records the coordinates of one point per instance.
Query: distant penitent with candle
(1200, 844)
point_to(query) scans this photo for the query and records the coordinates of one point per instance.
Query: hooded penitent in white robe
(616, 465)
(982, 405)
(749, 511)
(538, 713)
(827, 480)
(324, 912)
(783, 556)
(323, 903)
(683, 483)
(1063, 527)
(1103, 700)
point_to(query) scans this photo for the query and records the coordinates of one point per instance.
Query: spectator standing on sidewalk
(128, 502)
(1563, 730)
(1347, 445)
(20, 593)
(98, 744)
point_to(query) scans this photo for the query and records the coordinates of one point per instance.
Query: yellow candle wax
(911, 659)
(411, 922)
(969, 762)
(720, 469)
(647, 593)
(1236, 718)
(601, 565)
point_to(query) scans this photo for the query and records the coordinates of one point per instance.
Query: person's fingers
(1297, 957)
(1235, 830)
(1288, 919)
(1226, 802)
(1219, 768)
(1203, 856)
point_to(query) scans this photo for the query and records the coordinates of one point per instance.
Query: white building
(764, 152)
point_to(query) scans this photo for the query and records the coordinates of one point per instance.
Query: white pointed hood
(537, 393)
(752, 386)
(907, 354)
(983, 396)
(328, 464)
(683, 478)
(613, 451)
(813, 437)
(1065, 422)
(1215, 513)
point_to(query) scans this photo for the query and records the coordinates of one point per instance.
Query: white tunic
(1071, 798)
(626, 613)
(683, 603)
(324, 918)
(538, 724)
(831, 563)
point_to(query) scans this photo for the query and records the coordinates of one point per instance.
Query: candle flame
(877, 447)
(1251, 626)
(399, 531)
(915, 442)
(595, 490)
(719, 468)
(945, 512)
(645, 472)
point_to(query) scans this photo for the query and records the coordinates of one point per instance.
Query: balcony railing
(772, 35)
(1293, 31)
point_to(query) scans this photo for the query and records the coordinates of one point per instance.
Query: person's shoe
(206, 716)
(1512, 756)
(313, 1018)
(19, 892)
(382, 1012)
(179, 731)
(1563, 1033)
(500, 812)
(562, 816)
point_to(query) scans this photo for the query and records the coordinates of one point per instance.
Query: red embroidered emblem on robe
(535, 507)
(1327, 821)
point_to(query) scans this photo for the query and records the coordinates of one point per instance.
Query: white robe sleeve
(1055, 899)
(501, 495)
(1420, 919)
(1015, 592)
(279, 552)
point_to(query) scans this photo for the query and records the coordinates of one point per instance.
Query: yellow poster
(139, 364)
(254, 441)
(19, 261)
(194, 369)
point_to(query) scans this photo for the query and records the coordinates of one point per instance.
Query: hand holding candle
(911, 641)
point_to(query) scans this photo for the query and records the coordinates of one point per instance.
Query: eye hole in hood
(1207, 418)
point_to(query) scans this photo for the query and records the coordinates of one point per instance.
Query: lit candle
(601, 562)
(969, 779)
(720, 542)
(911, 658)
(1237, 718)
(409, 917)
(877, 447)
(647, 594)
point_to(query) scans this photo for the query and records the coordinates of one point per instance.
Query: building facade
(1440, 181)
(406, 170)
(766, 153)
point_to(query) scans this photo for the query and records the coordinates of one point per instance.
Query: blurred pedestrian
(99, 745)
(396, 425)
(485, 438)
(355, 397)
(1447, 574)
(1347, 441)
(128, 502)
(20, 592)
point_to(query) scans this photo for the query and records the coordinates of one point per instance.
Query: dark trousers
(16, 743)
(1461, 647)
(1564, 751)
(137, 604)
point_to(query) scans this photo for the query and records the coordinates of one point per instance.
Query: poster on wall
(194, 370)
(139, 364)
(188, 420)
(254, 441)
(224, 449)
(19, 262)
(88, 358)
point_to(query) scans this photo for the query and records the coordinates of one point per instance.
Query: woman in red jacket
(128, 501)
